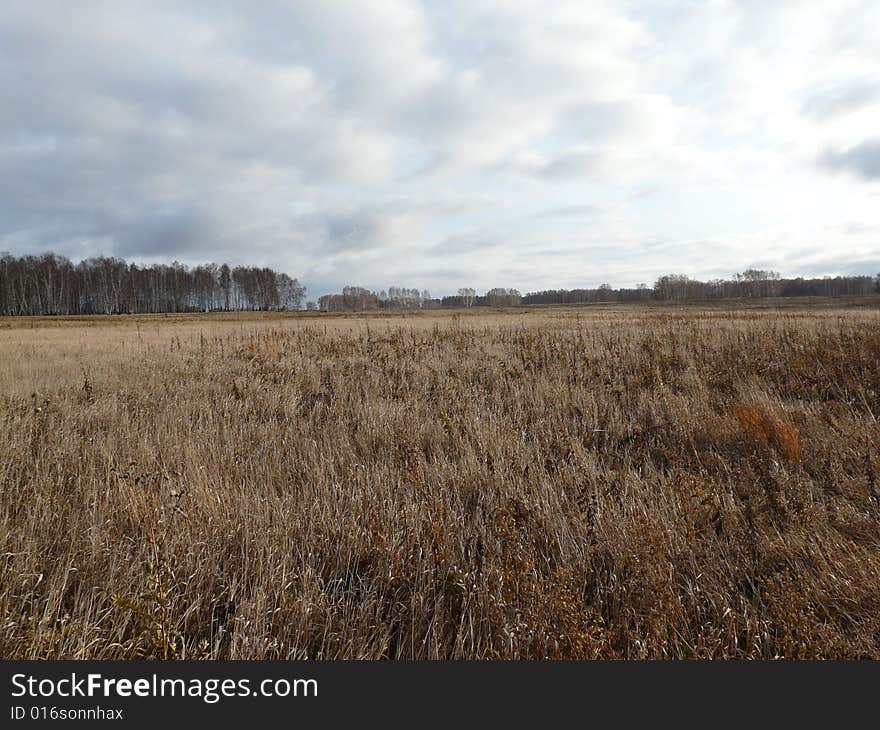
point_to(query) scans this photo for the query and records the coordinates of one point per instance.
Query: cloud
(354, 230)
(863, 159)
(364, 140)
(571, 164)
(841, 99)
(569, 211)
(469, 242)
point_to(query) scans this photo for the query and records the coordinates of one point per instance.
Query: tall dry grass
(567, 483)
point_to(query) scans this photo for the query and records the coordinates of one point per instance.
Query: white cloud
(353, 141)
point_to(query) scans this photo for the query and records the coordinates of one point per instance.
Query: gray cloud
(349, 231)
(862, 160)
(562, 167)
(569, 211)
(369, 139)
(469, 243)
(840, 99)
(167, 233)
(834, 267)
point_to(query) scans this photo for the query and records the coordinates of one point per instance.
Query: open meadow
(561, 482)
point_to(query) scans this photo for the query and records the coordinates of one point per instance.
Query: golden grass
(565, 482)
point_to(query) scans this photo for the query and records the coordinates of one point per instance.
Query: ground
(597, 481)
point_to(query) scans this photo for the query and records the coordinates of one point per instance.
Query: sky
(528, 144)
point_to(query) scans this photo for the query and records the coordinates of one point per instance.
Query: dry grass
(614, 482)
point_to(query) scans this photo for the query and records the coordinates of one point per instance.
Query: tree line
(752, 283)
(51, 284)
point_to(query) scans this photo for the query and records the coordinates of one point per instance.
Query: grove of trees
(752, 283)
(497, 297)
(357, 298)
(52, 284)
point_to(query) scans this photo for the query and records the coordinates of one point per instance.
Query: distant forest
(752, 283)
(749, 284)
(51, 284)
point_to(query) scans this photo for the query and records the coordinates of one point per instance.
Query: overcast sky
(443, 144)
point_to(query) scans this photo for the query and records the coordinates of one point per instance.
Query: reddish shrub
(761, 426)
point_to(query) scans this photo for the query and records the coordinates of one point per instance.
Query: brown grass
(610, 482)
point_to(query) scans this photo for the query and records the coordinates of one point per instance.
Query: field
(594, 482)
